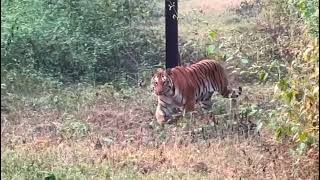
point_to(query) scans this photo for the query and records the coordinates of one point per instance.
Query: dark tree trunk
(172, 51)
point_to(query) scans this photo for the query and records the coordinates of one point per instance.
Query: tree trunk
(172, 51)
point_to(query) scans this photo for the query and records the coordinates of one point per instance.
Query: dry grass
(122, 141)
(116, 138)
(207, 5)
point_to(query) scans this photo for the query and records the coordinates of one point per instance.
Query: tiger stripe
(182, 87)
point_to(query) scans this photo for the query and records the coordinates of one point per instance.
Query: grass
(115, 138)
(217, 159)
(99, 132)
(69, 159)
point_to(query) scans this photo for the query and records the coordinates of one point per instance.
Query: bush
(78, 40)
(282, 48)
(293, 28)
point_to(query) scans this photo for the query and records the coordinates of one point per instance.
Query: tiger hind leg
(206, 103)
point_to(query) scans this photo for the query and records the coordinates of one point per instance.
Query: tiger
(183, 87)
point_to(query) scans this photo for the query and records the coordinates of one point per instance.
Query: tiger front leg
(164, 114)
(189, 106)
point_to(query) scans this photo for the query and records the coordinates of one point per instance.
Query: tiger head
(161, 82)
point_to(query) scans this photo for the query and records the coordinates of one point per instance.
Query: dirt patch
(207, 5)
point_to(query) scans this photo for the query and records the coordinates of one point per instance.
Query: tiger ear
(168, 71)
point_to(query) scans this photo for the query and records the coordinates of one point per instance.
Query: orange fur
(183, 87)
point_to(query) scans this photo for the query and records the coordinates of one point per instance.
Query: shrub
(78, 40)
(297, 89)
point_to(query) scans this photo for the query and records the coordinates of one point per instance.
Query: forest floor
(112, 136)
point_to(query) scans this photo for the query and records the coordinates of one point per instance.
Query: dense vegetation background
(60, 59)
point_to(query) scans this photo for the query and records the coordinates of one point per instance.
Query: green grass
(72, 161)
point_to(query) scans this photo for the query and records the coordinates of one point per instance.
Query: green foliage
(282, 48)
(297, 117)
(54, 54)
(265, 50)
(214, 50)
(309, 10)
(78, 40)
(300, 96)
